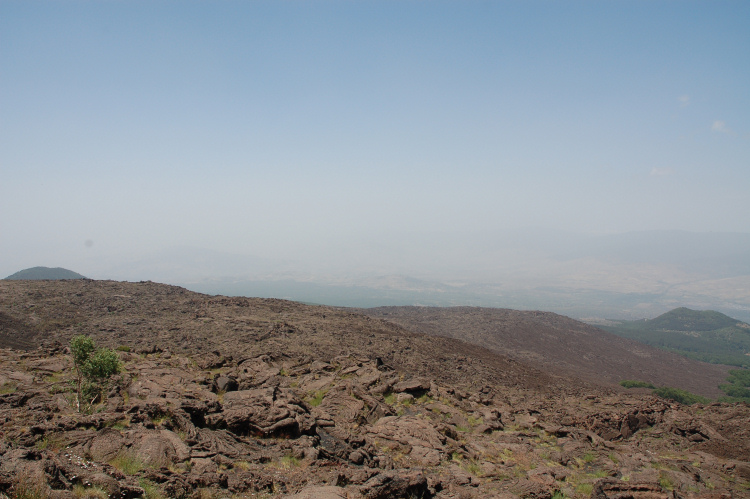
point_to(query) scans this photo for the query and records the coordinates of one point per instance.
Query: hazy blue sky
(276, 128)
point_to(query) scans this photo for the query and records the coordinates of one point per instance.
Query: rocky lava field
(236, 397)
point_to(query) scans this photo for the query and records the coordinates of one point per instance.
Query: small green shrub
(123, 348)
(93, 369)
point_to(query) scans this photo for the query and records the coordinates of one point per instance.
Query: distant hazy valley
(591, 277)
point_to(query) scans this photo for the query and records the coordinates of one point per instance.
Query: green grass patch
(468, 465)
(585, 489)
(7, 388)
(151, 490)
(129, 463)
(51, 441)
(118, 425)
(425, 399)
(160, 419)
(289, 462)
(317, 398)
(26, 486)
(666, 483)
(242, 465)
(81, 492)
(474, 421)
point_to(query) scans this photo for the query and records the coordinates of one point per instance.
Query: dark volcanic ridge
(134, 314)
(237, 397)
(559, 345)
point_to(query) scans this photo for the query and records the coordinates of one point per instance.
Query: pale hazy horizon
(369, 138)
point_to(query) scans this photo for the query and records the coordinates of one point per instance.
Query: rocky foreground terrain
(235, 397)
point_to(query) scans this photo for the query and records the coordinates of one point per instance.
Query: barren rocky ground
(236, 397)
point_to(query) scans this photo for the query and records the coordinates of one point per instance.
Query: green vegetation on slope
(702, 335)
(667, 392)
(738, 388)
(681, 396)
(631, 383)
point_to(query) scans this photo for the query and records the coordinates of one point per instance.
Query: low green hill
(684, 319)
(703, 335)
(45, 273)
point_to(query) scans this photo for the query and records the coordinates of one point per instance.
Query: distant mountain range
(705, 335)
(45, 273)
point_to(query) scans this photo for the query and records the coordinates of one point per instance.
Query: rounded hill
(685, 319)
(45, 273)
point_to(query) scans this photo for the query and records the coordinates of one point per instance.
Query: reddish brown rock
(410, 435)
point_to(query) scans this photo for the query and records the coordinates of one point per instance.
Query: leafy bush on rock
(94, 366)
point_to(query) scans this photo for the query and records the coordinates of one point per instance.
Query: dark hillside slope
(559, 345)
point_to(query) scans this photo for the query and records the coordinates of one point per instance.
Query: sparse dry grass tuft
(26, 486)
(81, 492)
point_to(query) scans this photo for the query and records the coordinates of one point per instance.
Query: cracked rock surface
(236, 397)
